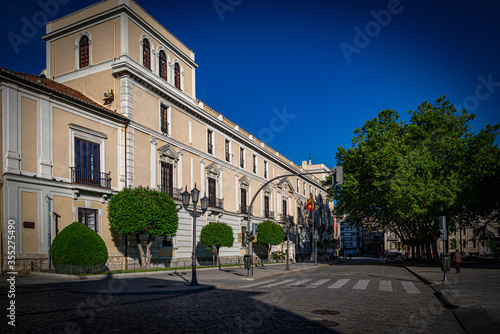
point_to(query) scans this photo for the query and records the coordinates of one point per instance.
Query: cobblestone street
(356, 298)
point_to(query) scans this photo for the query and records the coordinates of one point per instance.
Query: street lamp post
(287, 229)
(195, 214)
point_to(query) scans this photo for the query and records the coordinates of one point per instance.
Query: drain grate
(325, 312)
(159, 286)
(327, 323)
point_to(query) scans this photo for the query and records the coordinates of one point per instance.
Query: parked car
(391, 258)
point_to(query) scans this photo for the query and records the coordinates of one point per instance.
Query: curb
(200, 288)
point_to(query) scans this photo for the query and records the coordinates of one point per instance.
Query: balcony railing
(268, 214)
(244, 209)
(175, 193)
(214, 202)
(285, 218)
(90, 177)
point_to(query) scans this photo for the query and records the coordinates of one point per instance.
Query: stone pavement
(474, 294)
(161, 282)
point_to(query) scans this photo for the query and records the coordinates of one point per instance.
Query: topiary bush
(77, 250)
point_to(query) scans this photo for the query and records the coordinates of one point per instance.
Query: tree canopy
(406, 175)
(218, 235)
(143, 211)
(269, 234)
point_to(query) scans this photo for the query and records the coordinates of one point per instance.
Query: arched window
(177, 71)
(163, 65)
(84, 51)
(146, 53)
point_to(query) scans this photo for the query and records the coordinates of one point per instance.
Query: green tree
(143, 211)
(269, 234)
(453, 243)
(406, 175)
(218, 235)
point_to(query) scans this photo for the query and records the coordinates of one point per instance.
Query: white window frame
(152, 51)
(78, 131)
(77, 49)
(157, 67)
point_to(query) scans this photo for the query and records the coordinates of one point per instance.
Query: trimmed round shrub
(77, 249)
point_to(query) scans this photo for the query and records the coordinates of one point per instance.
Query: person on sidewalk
(457, 258)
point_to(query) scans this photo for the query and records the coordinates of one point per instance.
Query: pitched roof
(58, 88)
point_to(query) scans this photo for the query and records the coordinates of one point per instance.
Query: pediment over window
(285, 184)
(244, 181)
(212, 170)
(267, 190)
(168, 153)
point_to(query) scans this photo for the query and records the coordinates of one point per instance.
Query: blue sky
(303, 75)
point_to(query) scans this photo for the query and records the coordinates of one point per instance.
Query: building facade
(116, 107)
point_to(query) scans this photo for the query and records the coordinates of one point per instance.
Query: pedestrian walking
(457, 258)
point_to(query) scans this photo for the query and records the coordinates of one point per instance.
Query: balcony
(214, 202)
(174, 193)
(90, 177)
(285, 218)
(268, 214)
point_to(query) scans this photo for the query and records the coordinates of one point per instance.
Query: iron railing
(285, 218)
(175, 193)
(244, 208)
(214, 202)
(90, 177)
(268, 214)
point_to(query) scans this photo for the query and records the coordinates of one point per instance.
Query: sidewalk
(474, 294)
(161, 282)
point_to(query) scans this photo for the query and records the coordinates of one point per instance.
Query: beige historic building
(116, 107)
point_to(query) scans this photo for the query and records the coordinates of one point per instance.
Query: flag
(310, 203)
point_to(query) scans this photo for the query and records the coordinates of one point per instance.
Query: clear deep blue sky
(258, 58)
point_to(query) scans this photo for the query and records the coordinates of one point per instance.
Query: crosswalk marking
(340, 283)
(385, 286)
(318, 283)
(278, 283)
(409, 287)
(258, 283)
(298, 283)
(361, 285)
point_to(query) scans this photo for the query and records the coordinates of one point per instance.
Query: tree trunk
(418, 252)
(428, 250)
(151, 240)
(435, 250)
(141, 251)
(218, 256)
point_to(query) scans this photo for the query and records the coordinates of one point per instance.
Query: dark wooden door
(211, 191)
(167, 178)
(266, 206)
(243, 200)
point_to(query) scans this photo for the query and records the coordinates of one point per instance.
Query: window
(164, 118)
(265, 169)
(242, 158)
(84, 51)
(267, 213)
(254, 163)
(177, 73)
(167, 178)
(304, 188)
(212, 198)
(87, 162)
(228, 155)
(298, 186)
(163, 65)
(210, 142)
(88, 217)
(146, 53)
(243, 201)
(168, 241)
(284, 208)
